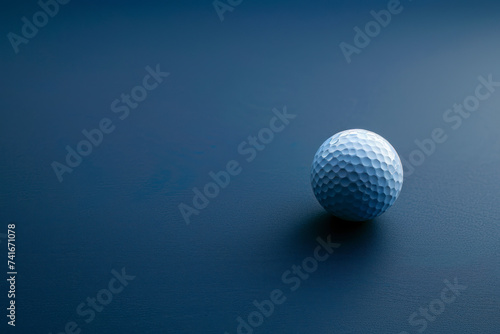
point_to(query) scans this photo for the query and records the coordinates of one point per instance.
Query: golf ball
(356, 175)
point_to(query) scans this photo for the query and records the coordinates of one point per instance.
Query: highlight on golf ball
(356, 175)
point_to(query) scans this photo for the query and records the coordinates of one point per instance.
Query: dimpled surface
(356, 175)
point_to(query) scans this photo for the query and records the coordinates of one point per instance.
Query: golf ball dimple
(356, 175)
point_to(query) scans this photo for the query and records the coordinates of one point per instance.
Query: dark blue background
(119, 208)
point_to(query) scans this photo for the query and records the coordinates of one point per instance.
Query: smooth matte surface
(119, 208)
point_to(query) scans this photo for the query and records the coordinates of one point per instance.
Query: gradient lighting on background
(119, 208)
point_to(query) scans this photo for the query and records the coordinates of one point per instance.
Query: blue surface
(120, 207)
